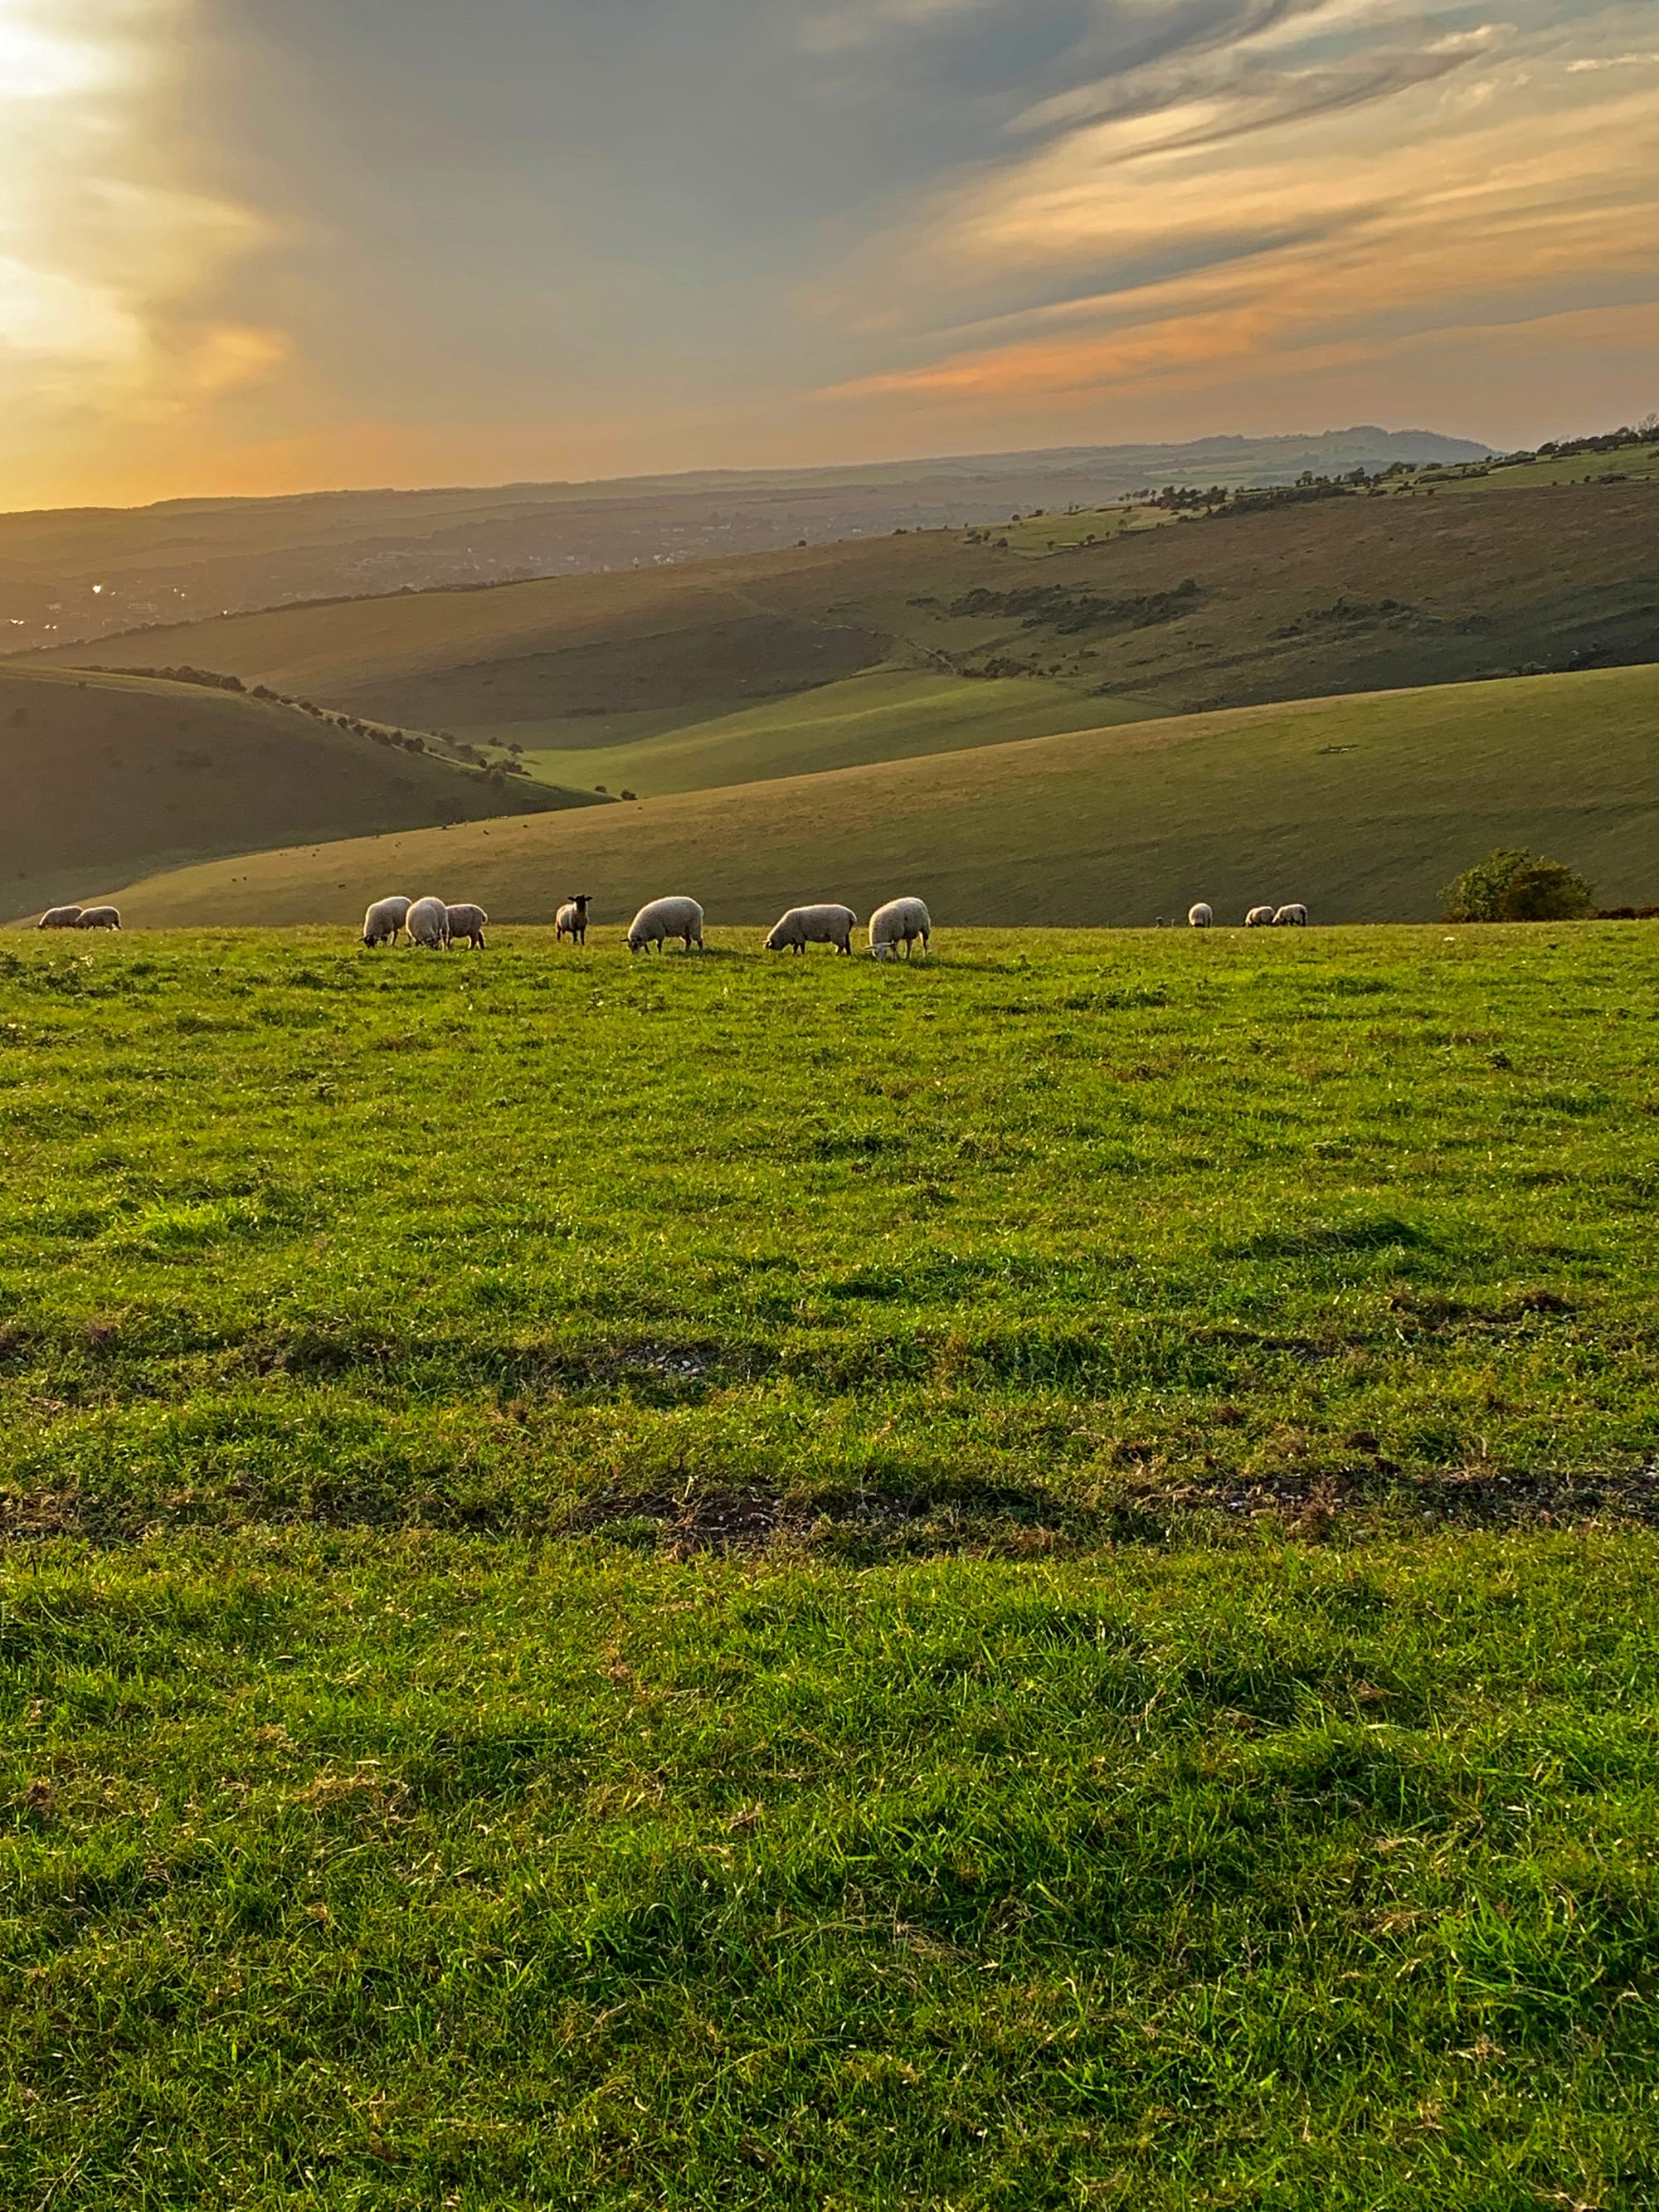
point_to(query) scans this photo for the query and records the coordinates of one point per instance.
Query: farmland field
(1025, 1580)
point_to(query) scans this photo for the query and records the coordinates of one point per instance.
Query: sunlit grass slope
(1361, 808)
(101, 776)
(728, 1582)
(890, 713)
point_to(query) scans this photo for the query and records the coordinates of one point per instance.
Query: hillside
(109, 777)
(85, 572)
(598, 677)
(1363, 807)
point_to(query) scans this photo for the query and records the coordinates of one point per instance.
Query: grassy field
(890, 713)
(1347, 596)
(1023, 1581)
(106, 776)
(1361, 808)
(1634, 464)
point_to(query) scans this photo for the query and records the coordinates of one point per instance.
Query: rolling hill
(1362, 806)
(610, 678)
(108, 776)
(86, 572)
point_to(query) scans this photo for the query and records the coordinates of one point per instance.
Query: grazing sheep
(1200, 917)
(1290, 917)
(59, 917)
(383, 924)
(899, 922)
(1259, 917)
(813, 924)
(468, 921)
(664, 918)
(99, 917)
(428, 923)
(571, 919)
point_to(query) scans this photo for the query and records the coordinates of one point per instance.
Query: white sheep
(664, 917)
(99, 917)
(571, 920)
(813, 924)
(468, 921)
(1200, 917)
(1290, 917)
(59, 917)
(1259, 917)
(428, 923)
(900, 921)
(383, 923)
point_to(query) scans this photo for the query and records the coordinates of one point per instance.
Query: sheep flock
(437, 925)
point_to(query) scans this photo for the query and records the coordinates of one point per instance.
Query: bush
(1512, 884)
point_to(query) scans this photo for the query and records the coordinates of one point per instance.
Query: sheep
(383, 924)
(899, 921)
(664, 917)
(1290, 917)
(99, 917)
(813, 924)
(59, 917)
(1259, 917)
(571, 919)
(428, 923)
(468, 921)
(1200, 917)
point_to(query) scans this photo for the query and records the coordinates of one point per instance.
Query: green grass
(1361, 808)
(1634, 464)
(730, 1582)
(347, 1875)
(1041, 534)
(890, 714)
(294, 1232)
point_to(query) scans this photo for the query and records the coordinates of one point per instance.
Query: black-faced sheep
(99, 917)
(1290, 917)
(571, 920)
(468, 921)
(60, 917)
(1259, 917)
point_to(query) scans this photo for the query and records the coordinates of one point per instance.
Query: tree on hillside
(1512, 884)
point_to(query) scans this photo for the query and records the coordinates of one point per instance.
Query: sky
(247, 247)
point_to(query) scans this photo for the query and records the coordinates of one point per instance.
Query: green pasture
(890, 714)
(1022, 1581)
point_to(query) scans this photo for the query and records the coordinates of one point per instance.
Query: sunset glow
(247, 249)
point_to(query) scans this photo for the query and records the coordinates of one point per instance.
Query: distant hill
(1361, 807)
(77, 573)
(719, 671)
(106, 777)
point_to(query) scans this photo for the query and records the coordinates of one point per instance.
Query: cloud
(106, 254)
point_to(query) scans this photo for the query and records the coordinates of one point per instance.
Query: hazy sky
(267, 244)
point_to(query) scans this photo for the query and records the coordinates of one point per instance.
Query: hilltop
(108, 776)
(599, 678)
(1363, 807)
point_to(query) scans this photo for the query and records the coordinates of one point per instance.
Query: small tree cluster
(1512, 884)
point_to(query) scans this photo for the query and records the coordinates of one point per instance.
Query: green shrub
(1512, 884)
